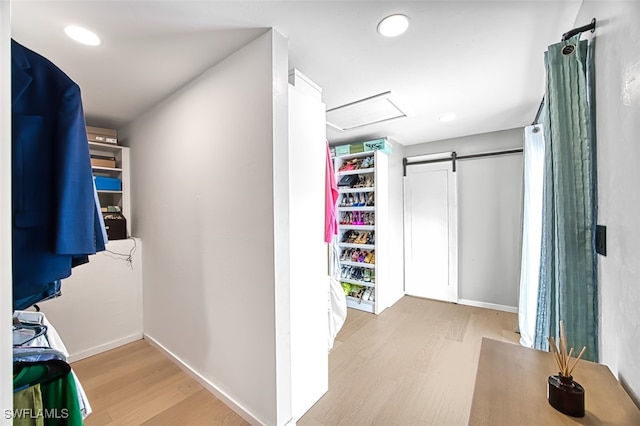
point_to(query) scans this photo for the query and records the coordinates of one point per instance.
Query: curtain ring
(568, 49)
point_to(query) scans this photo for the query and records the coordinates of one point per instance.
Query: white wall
(474, 144)
(489, 217)
(105, 296)
(617, 59)
(6, 355)
(203, 199)
(278, 170)
(490, 229)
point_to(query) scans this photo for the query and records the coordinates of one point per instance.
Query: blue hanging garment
(53, 203)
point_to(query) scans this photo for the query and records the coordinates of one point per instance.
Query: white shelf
(363, 305)
(356, 282)
(352, 190)
(357, 209)
(356, 155)
(103, 145)
(121, 198)
(358, 264)
(358, 227)
(357, 171)
(360, 246)
(106, 169)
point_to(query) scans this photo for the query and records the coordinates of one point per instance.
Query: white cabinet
(307, 256)
(119, 198)
(363, 212)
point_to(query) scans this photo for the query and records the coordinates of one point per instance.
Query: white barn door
(431, 243)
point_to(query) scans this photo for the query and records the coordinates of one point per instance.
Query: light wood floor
(414, 364)
(136, 384)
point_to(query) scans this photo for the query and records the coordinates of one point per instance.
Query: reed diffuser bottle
(565, 394)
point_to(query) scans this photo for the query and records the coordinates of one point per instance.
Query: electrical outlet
(601, 240)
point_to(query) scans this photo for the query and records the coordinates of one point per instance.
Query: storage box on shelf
(99, 134)
(110, 166)
(102, 161)
(359, 176)
(116, 226)
(368, 146)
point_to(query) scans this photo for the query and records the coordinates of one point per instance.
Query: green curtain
(568, 267)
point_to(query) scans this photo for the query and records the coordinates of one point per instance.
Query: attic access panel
(364, 112)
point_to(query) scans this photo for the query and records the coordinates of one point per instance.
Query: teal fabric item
(568, 268)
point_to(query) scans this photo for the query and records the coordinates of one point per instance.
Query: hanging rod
(566, 36)
(590, 27)
(455, 157)
(540, 108)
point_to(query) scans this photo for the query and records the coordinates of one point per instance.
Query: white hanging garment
(532, 233)
(52, 340)
(337, 299)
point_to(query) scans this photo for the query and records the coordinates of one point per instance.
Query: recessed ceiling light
(393, 26)
(82, 35)
(447, 117)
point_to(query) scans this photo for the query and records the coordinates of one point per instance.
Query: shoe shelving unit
(362, 209)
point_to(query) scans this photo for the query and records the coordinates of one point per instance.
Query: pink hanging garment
(330, 201)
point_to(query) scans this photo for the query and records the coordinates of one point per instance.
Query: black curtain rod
(566, 36)
(589, 27)
(455, 157)
(540, 108)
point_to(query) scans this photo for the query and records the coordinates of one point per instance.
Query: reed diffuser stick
(563, 343)
(559, 349)
(566, 364)
(554, 349)
(584, 348)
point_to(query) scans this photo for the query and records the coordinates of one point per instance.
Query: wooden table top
(511, 389)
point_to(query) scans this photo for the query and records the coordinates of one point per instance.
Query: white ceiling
(481, 60)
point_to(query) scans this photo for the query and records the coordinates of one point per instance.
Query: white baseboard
(485, 305)
(226, 399)
(103, 348)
